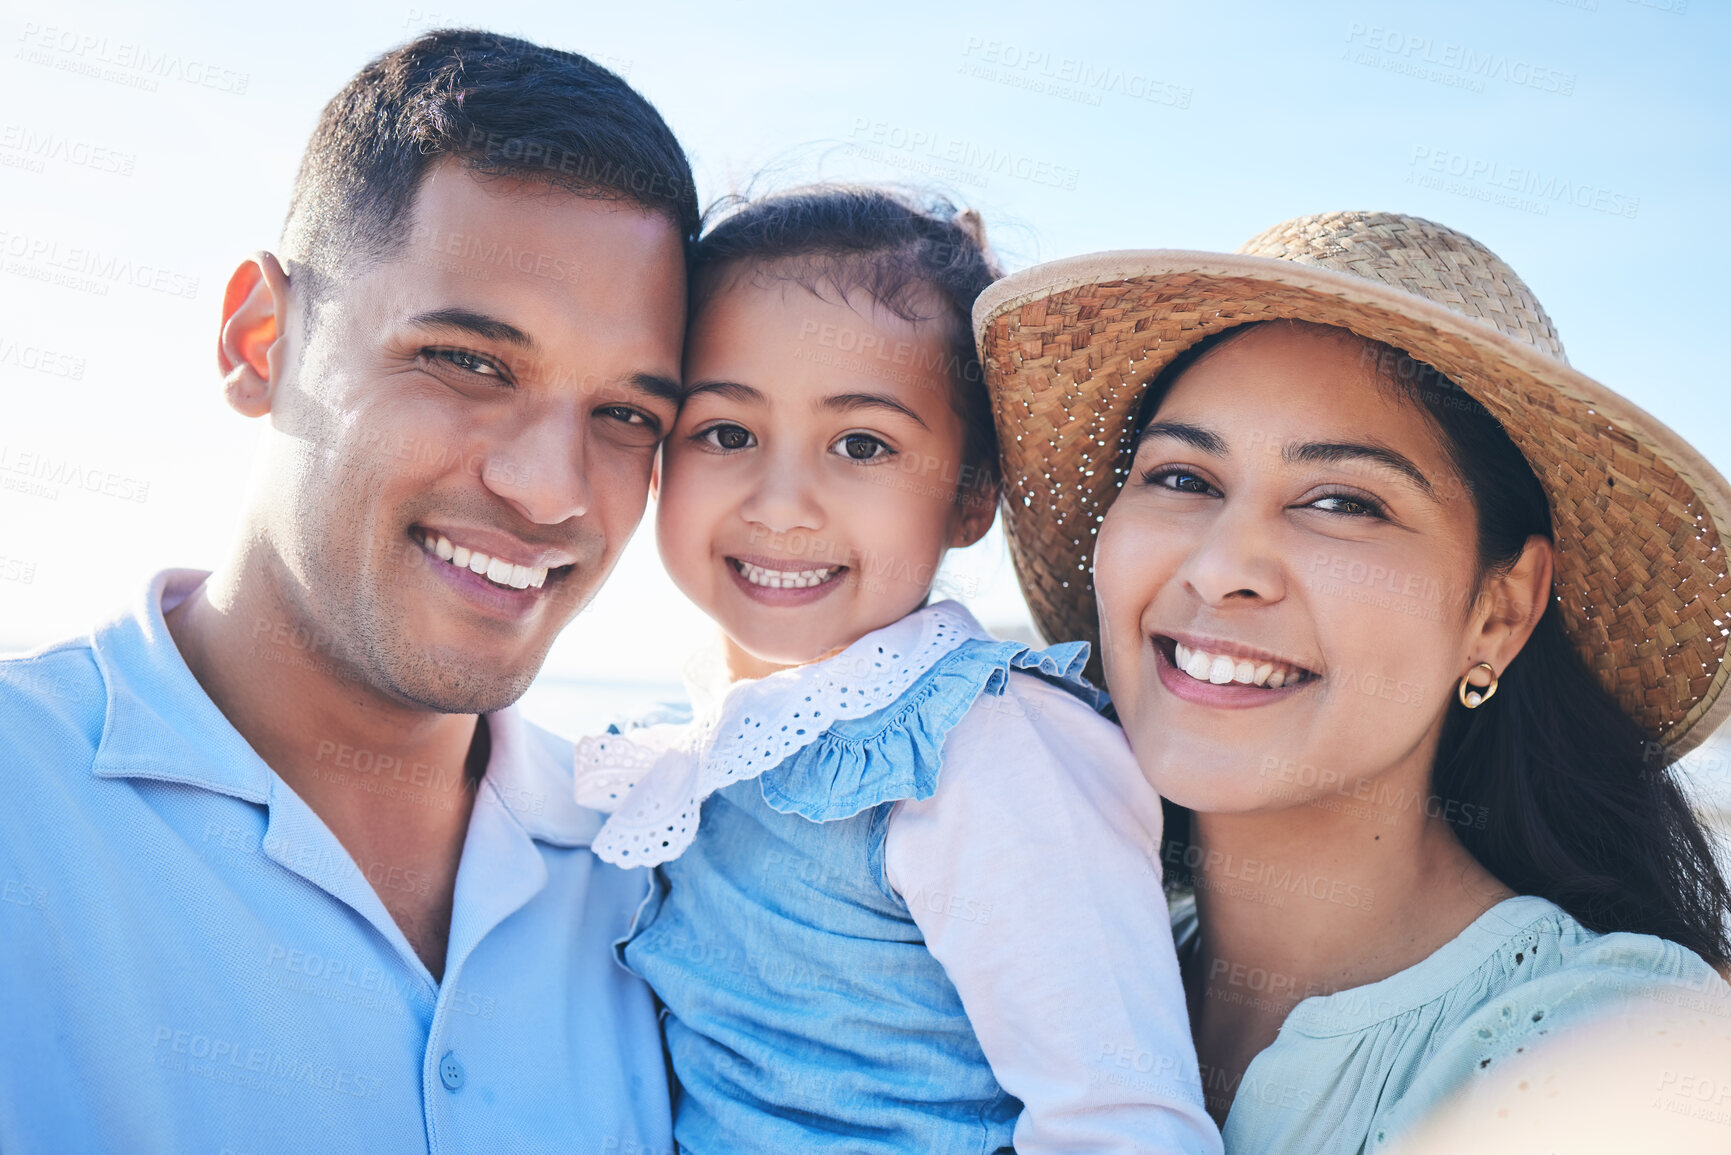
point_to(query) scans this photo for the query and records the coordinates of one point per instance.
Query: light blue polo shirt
(190, 962)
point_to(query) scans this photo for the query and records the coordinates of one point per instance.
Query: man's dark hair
(503, 107)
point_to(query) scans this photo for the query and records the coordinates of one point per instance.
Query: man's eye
(468, 362)
(625, 414)
(861, 447)
(727, 437)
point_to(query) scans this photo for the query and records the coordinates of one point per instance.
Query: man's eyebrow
(479, 324)
(729, 390)
(1205, 440)
(1333, 451)
(849, 402)
(665, 388)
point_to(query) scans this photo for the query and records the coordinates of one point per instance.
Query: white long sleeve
(1033, 873)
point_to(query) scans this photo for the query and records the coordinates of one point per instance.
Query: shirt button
(451, 1071)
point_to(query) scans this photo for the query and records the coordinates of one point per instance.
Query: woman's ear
(249, 348)
(1512, 603)
(655, 476)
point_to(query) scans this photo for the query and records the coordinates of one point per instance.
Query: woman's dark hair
(915, 255)
(499, 105)
(1579, 805)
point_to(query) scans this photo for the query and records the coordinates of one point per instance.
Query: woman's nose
(1235, 559)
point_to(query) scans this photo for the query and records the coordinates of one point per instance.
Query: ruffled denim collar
(827, 740)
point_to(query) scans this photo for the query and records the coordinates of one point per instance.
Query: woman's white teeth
(784, 579)
(1221, 670)
(496, 570)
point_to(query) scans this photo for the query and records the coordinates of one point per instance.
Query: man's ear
(1512, 604)
(249, 348)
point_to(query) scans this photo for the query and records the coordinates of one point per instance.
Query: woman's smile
(1224, 674)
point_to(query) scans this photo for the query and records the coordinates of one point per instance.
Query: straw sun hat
(1069, 348)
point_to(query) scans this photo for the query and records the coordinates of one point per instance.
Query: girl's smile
(786, 506)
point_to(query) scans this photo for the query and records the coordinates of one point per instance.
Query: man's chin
(448, 684)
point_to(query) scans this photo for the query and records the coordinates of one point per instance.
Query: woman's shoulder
(1523, 971)
(1517, 970)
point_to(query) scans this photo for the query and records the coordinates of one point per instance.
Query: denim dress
(803, 1009)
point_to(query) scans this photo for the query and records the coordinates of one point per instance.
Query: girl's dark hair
(1579, 804)
(915, 255)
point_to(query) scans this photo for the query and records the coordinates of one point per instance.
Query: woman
(1405, 619)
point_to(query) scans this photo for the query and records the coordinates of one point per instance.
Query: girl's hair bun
(971, 222)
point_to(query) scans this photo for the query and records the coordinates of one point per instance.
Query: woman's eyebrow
(1328, 452)
(1198, 438)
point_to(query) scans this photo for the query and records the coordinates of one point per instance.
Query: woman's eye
(1180, 480)
(861, 447)
(727, 437)
(1347, 504)
(468, 362)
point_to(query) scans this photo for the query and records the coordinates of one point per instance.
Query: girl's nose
(784, 498)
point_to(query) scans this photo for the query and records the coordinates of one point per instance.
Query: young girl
(907, 897)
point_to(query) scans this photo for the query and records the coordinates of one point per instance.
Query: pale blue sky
(1178, 126)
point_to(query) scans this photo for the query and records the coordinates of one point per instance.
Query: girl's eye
(1348, 504)
(1179, 480)
(468, 362)
(727, 437)
(861, 447)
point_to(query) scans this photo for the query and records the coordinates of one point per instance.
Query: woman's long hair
(1580, 805)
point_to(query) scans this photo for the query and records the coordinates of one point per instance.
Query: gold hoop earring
(1472, 697)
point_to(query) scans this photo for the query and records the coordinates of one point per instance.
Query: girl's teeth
(777, 579)
(496, 570)
(1221, 670)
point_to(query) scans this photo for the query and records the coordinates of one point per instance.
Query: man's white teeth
(785, 579)
(1221, 670)
(496, 570)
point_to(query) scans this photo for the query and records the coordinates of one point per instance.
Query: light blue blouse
(1356, 1070)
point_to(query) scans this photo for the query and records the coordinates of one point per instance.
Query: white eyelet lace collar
(654, 780)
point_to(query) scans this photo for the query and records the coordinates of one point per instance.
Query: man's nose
(542, 471)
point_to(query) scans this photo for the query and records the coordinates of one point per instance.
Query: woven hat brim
(1069, 348)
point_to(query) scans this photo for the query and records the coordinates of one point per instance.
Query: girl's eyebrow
(730, 390)
(848, 402)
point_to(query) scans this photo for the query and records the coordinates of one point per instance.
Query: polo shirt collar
(161, 725)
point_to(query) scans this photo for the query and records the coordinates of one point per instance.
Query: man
(283, 870)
